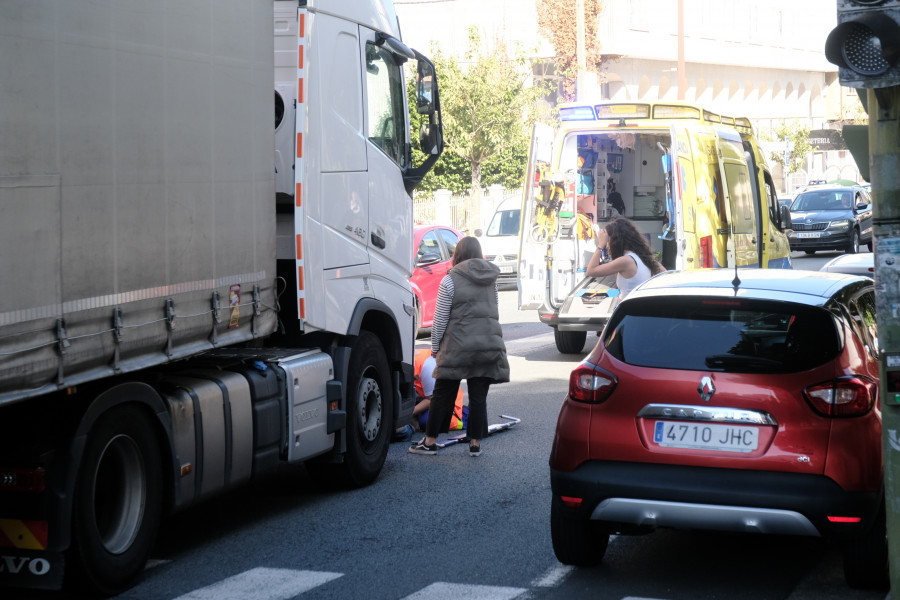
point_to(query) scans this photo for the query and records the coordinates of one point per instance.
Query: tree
(487, 105)
(798, 146)
(557, 23)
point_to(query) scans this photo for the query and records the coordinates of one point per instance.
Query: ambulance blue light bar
(577, 113)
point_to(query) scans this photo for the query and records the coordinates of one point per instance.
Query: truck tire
(370, 411)
(569, 342)
(117, 503)
(576, 541)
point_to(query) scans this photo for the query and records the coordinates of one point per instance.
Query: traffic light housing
(866, 43)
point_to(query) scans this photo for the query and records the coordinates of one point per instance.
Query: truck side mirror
(425, 88)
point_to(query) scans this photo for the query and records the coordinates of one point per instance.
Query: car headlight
(838, 225)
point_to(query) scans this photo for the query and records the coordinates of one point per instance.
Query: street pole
(580, 57)
(884, 165)
(682, 80)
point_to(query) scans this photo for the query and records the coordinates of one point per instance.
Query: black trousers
(443, 400)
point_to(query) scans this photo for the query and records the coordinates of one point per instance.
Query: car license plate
(809, 234)
(506, 269)
(706, 436)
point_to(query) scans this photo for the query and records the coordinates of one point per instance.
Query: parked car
(746, 406)
(852, 264)
(434, 246)
(500, 242)
(831, 217)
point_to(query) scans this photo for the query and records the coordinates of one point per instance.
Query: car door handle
(378, 241)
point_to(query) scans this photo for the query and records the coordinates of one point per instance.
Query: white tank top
(626, 284)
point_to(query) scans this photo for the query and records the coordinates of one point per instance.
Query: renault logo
(706, 389)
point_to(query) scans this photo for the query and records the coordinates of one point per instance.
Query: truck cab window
(385, 125)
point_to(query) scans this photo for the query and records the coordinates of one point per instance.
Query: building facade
(763, 60)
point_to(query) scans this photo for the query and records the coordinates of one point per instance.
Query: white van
(500, 243)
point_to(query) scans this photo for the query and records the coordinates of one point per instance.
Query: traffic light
(866, 43)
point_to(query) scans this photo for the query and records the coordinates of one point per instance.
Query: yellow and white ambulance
(694, 182)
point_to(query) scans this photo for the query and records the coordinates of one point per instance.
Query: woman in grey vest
(467, 343)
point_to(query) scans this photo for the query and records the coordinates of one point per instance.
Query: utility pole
(884, 165)
(865, 46)
(579, 49)
(682, 79)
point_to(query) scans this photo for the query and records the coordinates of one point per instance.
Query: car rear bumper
(648, 496)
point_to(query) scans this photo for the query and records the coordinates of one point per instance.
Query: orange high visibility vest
(420, 358)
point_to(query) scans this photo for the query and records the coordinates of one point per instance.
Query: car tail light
(589, 383)
(842, 397)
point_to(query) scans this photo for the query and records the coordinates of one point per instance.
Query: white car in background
(852, 264)
(500, 243)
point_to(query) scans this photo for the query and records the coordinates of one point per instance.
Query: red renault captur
(726, 403)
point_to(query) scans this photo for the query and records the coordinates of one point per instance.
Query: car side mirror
(429, 258)
(786, 218)
(862, 206)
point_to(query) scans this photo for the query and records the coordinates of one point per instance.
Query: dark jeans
(444, 399)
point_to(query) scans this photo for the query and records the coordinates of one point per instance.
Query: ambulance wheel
(117, 504)
(370, 411)
(576, 541)
(569, 342)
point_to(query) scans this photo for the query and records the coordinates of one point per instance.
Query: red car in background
(433, 246)
(744, 403)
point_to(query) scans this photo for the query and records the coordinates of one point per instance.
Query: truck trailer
(191, 296)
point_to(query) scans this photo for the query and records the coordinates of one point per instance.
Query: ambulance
(694, 182)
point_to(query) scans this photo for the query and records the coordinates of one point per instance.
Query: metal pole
(682, 80)
(579, 49)
(884, 164)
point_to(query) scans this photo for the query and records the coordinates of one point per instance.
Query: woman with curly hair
(632, 259)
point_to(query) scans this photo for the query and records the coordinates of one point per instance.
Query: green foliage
(488, 109)
(798, 135)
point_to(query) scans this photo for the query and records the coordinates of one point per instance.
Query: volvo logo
(706, 389)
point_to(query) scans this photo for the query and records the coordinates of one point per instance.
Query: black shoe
(474, 450)
(422, 448)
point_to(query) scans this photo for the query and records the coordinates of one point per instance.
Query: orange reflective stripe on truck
(16, 533)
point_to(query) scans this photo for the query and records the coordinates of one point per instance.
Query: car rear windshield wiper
(736, 361)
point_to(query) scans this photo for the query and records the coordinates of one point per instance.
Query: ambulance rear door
(534, 255)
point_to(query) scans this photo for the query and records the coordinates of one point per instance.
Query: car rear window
(708, 334)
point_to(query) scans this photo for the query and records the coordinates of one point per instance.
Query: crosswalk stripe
(553, 577)
(455, 591)
(262, 584)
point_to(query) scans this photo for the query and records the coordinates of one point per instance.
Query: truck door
(534, 262)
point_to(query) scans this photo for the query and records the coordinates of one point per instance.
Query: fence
(461, 211)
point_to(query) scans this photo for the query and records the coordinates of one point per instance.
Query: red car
(748, 405)
(434, 246)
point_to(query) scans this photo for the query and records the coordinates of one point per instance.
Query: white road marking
(455, 591)
(553, 577)
(262, 584)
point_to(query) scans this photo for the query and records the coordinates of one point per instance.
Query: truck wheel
(569, 342)
(117, 504)
(576, 541)
(370, 411)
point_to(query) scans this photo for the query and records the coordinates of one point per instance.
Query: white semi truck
(191, 297)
